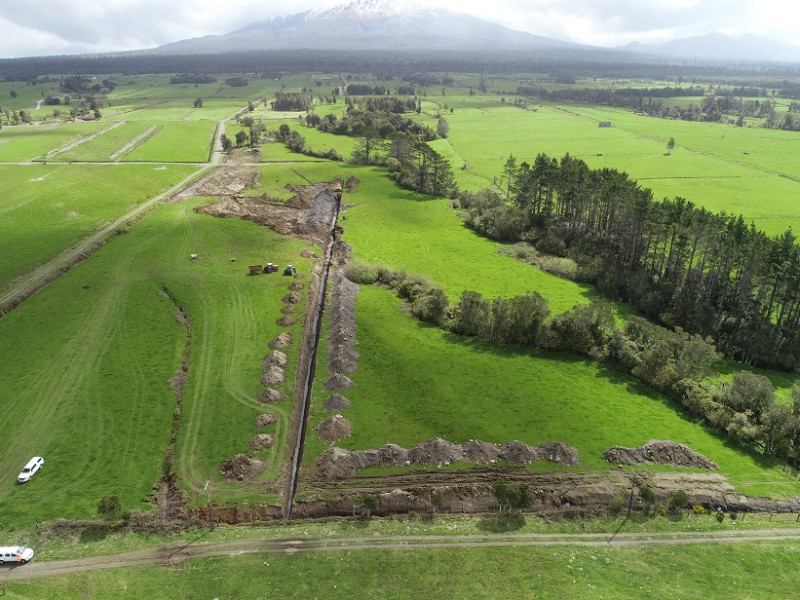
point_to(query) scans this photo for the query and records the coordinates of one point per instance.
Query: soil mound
(289, 309)
(286, 321)
(276, 358)
(338, 383)
(292, 298)
(334, 428)
(342, 334)
(265, 420)
(336, 463)
(335, 403)
(659, 452)
(306, 253)
(241, 467)
(271, 396)
(297, 286)
(261, 441)
(351, 185)
(282, 341)
(272, 376)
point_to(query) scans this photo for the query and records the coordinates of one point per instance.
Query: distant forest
(560, 63)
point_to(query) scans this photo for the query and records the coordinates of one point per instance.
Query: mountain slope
(371, 25)
(720, 47)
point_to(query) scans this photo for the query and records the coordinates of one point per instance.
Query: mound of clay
(336, 463)
(308, 254)
(297, 286)
(659, 452)
(286, 321)
(342, 355)
(271, 396)
(292, 298)
(282, 341)
(335, 403)
(241, 467)
(276, 358)
(334, 428)
(338, 383)
(289, 309)
(261, 441)
(272, 376)
(265, 420)
(351, 185)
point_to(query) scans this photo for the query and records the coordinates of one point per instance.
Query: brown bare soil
(265, 420)
(286, 321)
(242, 467)
(659, 452)
(292, 298)
(289, 309)
(306, 214)
(282, 341)
(276, 358)
(273, 376)
(338, 383)
(335, 403)
(342, 356)
(261, 441)
(334, 428)
(337, 463)
(351, 185)
(297, 286)
(271, 396)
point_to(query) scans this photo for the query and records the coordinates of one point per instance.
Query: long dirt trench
(312, 327)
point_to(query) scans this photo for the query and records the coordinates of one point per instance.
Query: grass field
(47, 208)
(686, 572)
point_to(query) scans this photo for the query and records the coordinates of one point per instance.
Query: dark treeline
(358, 123)
(192, 78)
(389, 64)
(712, 274)
(675, 362)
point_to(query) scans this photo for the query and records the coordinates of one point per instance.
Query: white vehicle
(33, 465)
(15, 554)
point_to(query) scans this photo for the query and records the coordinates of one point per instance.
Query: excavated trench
(311, 337)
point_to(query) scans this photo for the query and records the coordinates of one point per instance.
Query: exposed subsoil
(334, 428)
(261, 441)
(282, 341)
(335, 403)
(659, 452)
(242, 467)
(271, 396)
(338, 463)
(338, 383)
(265, 420)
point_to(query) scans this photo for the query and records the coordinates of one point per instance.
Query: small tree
(670, 145)
(370, 504)
(110, 508)
(241, 138)
(227, 144)
(198, 103)
(678, 500)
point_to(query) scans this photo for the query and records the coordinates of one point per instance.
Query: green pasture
(34, 142)
(87, 364)
(106, 146)
(415, 381)
(748, 570)
(389, 225)
(708, 166)
(48, 208)
(176, 141)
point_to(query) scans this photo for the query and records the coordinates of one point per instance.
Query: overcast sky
(46, 27)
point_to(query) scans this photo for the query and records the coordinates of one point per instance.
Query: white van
(15, 554)
(33, 465)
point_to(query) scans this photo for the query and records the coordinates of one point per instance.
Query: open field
(511, 568)
(47, 208)
(88, 360)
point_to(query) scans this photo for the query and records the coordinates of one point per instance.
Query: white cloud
(36, 27)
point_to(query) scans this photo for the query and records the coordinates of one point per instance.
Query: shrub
(359, 271)
(678, 500)
(733, 515)
(698, 509)
(110, 508)
(615, 505)
(719, 516)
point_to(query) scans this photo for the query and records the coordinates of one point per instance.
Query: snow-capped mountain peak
(365, 9)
